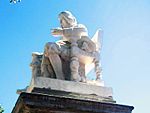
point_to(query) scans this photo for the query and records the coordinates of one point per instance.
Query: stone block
(41, 103)
(70, 86)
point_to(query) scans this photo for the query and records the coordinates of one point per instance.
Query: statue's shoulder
(81, 26)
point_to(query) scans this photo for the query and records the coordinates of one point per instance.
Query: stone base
(43, 103)
(70, 86)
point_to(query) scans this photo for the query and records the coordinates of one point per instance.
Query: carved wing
(97, 39)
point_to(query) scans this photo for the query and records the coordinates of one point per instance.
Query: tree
(15, 1)
(1, 109)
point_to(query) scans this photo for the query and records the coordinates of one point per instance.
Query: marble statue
(67, 58)
(64, 64)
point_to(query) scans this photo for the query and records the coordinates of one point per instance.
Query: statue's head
(67, 19)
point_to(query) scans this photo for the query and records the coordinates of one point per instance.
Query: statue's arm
(77, 30)
(57, 32)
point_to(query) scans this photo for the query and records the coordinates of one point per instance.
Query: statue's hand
(57, 32)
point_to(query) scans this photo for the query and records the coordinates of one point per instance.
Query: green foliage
(1, 109)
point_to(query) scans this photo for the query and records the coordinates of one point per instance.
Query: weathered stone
(70, 86)
(41, 103)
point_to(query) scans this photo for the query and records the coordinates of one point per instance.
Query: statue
(61, 70)
(67, 58)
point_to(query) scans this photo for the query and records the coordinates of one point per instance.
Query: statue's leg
(98, 69)
(74, 65)
(65, 59)
(45, 72)
(82, 72)
(46, 68)
(57, 65)
(52, 52)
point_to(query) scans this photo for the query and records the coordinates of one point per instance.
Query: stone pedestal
(46, 95)
(70, 86)
(50, 103)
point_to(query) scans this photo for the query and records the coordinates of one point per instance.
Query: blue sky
(25, 28)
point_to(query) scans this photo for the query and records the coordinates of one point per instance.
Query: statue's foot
(76, 78)
(98, 77)
(83, 79)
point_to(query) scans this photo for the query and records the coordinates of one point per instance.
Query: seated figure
(67, 58)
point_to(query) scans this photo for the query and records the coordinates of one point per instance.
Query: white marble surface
(70, 86)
